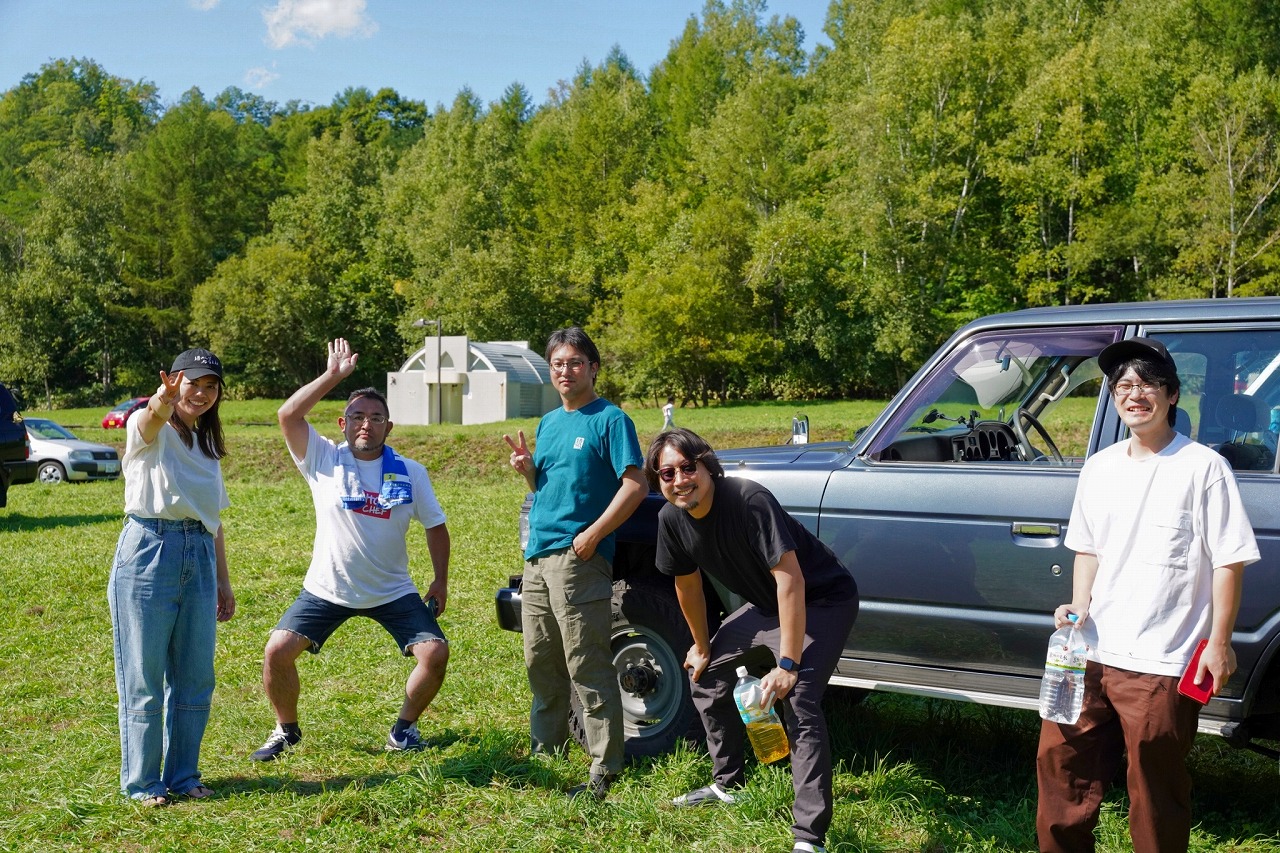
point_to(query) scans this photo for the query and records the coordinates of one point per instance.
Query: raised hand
(342, 361)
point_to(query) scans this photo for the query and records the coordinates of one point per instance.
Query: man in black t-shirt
(801, 604)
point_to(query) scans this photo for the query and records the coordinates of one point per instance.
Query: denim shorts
(407, 619)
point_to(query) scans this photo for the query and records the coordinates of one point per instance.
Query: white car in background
(60, 456)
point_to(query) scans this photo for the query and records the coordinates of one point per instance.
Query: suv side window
(1022, 396)
(1230, 392)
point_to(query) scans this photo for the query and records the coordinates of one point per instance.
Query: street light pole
(422, 324)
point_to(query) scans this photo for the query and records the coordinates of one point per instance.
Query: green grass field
(912, 775)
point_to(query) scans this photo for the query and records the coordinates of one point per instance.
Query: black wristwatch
(788, 665)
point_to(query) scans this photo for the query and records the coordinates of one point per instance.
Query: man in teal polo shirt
(586, 479)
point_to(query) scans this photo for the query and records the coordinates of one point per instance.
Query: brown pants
(1123, 711)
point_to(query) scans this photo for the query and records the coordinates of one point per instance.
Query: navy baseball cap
(195, 363)
(1147, 349)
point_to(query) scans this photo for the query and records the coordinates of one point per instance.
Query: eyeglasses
(669, 473)
(1124, 389)
(375, 420)
(572, 366)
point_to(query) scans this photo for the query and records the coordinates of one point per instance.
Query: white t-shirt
(1158, 526)
(359, 558)
(167, 479)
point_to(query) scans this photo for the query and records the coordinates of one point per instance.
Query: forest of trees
(747, 219)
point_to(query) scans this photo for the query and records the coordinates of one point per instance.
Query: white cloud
(303, 21)
(204, 5)
(260, 77)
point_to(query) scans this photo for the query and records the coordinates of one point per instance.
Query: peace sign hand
(169, 387)
(521, 458)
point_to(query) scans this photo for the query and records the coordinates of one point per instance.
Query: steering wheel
(1029, 453)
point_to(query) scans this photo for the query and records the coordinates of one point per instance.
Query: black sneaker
(597, 786)
(407, 741)
(277, 745)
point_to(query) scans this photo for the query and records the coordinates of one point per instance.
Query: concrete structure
(478, 383)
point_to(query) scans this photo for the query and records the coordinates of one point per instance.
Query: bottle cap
(742, 672)
(1072, 617)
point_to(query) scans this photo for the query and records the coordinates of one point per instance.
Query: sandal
(199, 792)
(154, 801)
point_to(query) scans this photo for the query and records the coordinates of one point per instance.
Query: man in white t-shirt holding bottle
(365, 496)
(1161, 540)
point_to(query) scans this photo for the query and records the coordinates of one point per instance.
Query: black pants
(749, 638)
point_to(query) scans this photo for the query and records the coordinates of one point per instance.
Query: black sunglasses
(669, 473)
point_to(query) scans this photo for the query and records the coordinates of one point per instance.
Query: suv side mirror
(800, 429)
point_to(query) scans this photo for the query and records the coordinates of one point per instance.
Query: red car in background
(120, 413)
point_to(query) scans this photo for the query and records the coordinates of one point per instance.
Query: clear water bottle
(764, 729)
(1062, 688)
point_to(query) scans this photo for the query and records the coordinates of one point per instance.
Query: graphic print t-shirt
(359, 558)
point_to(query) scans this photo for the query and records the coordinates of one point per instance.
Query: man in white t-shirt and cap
(1161, 540)
(365, 496)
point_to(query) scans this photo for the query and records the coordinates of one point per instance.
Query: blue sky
(310, 50)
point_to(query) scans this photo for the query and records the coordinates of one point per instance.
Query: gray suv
(951, 507)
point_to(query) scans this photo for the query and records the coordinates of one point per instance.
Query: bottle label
(751, 712)
(1066, 659)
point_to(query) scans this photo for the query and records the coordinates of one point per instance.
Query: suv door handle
(1036, 528)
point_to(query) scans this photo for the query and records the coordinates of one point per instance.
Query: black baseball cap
(1147, 349)
(195, 363)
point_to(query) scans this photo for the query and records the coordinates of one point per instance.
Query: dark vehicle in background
(951, 507)
(16, 468)
(60, 457)
(119, 414)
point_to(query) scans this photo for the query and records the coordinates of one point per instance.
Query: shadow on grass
(16, 521)
(503, 757)
(437, 741)
(229, 785)
(491, 756)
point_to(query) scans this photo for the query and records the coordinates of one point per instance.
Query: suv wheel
(650, 640)
(51, 472)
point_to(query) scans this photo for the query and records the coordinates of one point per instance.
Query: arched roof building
(455, 380)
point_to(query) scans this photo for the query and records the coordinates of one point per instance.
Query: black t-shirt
(740, 541)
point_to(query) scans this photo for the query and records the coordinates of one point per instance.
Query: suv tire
(649, 643)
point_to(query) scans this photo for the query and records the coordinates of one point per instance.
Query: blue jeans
(163, 595)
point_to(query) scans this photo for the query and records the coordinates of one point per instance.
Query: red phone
(1187, 684)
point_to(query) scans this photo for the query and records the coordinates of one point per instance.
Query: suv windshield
(1028, 396)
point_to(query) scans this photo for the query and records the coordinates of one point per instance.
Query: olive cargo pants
(567, 614)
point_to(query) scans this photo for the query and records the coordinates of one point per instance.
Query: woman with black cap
(169, 584)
